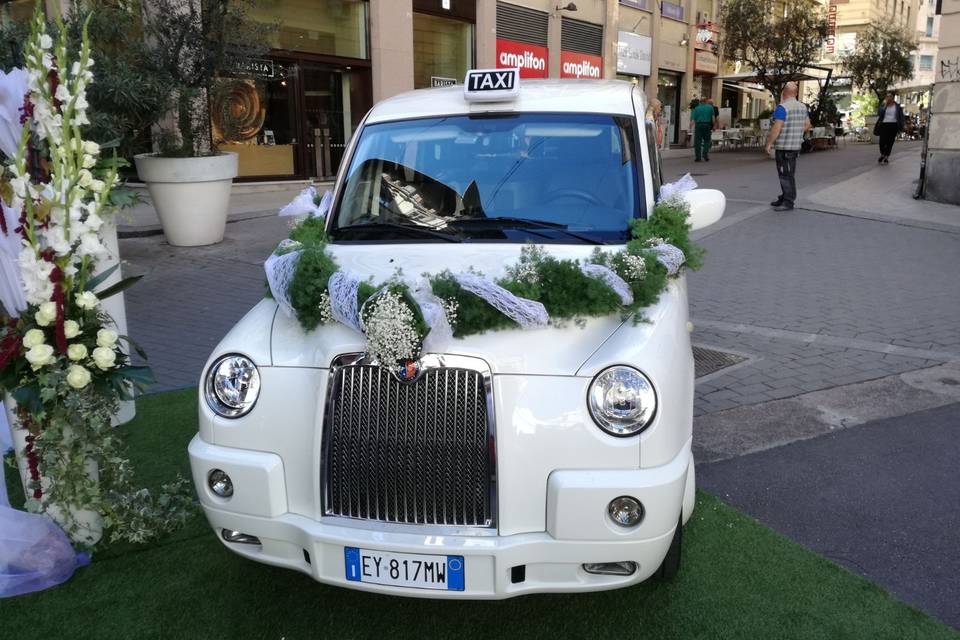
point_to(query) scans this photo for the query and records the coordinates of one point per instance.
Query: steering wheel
(574, 193)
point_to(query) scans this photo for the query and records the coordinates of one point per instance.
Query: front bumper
(577, 532)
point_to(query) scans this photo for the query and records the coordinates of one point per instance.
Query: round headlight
(622, 401)
(232, 386)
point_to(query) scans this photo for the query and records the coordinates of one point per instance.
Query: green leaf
(28, 396)
(135, 346)
(98, 279)
(138, 375)
(114, 289)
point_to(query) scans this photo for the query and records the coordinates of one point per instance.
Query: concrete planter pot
(191, 195)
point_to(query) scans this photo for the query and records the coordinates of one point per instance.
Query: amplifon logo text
(580, 65)
(530, 58)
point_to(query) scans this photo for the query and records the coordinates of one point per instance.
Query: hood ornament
(408, 370)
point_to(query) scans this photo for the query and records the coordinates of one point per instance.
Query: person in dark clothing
(702, 122)
(890, 122)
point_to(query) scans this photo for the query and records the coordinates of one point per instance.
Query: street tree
(776, 38)
(881, 58)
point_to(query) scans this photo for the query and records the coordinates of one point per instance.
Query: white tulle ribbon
(526, 313)
(343, 288)
(672, 189)
(611, 279)
(280, 267)
(441, 333)
(305, 204)
(670, 257)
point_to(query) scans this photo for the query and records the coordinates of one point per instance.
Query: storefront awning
(750, 76)
(746, 89)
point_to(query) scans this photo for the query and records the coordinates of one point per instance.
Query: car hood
(553, 350)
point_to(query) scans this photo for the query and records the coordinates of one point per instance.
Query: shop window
(442, 50)
(330, 27)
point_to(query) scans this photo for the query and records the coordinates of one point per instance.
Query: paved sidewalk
(879, 499)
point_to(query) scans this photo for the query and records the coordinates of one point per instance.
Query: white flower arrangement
(634, 267)
(390, 326)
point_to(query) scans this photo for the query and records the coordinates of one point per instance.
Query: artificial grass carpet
(739, 579)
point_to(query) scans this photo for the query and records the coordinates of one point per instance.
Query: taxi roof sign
(491, 85)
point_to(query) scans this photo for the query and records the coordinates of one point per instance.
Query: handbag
(876, 125)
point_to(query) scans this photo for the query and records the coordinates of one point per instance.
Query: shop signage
(253, 67)
(831, 41)
(531, 59)
(440, 81)
(706, 62)
(633, 53)
(580, 65)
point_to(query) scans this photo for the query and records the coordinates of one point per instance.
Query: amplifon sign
(831, 42)
(580, 65)
(531, 59)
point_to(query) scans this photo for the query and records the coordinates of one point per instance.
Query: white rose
(71, 329)
(46, 314)
(106, 338)
(76, 352)
(33, 337)
(40, 355)
(104, 357)
(77, 376)
(87, 300)
(90, 147)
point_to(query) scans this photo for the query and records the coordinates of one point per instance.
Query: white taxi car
(499, 466)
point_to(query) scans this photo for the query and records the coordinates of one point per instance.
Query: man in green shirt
(702, 121)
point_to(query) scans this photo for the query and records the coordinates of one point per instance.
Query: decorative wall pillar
(486, 34)
(391, 47)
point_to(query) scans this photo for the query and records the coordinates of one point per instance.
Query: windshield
(517, 177)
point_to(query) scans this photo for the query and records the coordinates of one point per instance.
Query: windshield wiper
(524, 223)
(404, 228)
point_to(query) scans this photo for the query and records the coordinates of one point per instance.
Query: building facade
(330, 60)
(943, 147)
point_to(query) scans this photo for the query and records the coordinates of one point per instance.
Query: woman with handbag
(890, 122)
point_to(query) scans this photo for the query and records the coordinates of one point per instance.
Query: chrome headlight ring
(232, 385)
(622, 401)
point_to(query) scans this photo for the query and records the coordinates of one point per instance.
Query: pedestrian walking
(890, 122)
(702, 121)
(790, 121)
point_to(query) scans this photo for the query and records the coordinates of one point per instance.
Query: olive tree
(880, 59)
(776, 38)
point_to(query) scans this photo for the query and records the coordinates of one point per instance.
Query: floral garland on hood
(402, 320)
(60, 360)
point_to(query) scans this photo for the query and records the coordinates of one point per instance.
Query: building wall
(943, 155)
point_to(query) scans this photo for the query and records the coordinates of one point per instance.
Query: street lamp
(569, 7)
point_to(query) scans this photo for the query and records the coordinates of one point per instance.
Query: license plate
(404, 569)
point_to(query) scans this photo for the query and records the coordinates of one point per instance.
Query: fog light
(220, 483)
(625, 568)
(625, 511)
(239, 538)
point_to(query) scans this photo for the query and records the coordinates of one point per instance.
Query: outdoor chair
(733, 137)
(717, 139)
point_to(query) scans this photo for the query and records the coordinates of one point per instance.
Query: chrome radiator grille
(417, 452)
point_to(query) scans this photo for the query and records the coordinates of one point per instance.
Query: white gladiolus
(77, 352)
(62, 94)
(97, 186)
(71, 329)
(89, 162)
(46, 314)
(91, 148)
(33, 337)
(40, 356)
(93, 221)
(104, 358)
(90, 245)
(78, 377)
(87, 300)
(84, 178)
(45, 41)
(106, 338)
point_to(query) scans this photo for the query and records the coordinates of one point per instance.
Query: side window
(654, 152)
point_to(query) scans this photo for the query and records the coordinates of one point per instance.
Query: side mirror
(706, 206)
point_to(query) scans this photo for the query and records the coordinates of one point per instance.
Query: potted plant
(63, 372)
(194, 41)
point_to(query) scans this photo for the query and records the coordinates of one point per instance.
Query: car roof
(572, 96)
